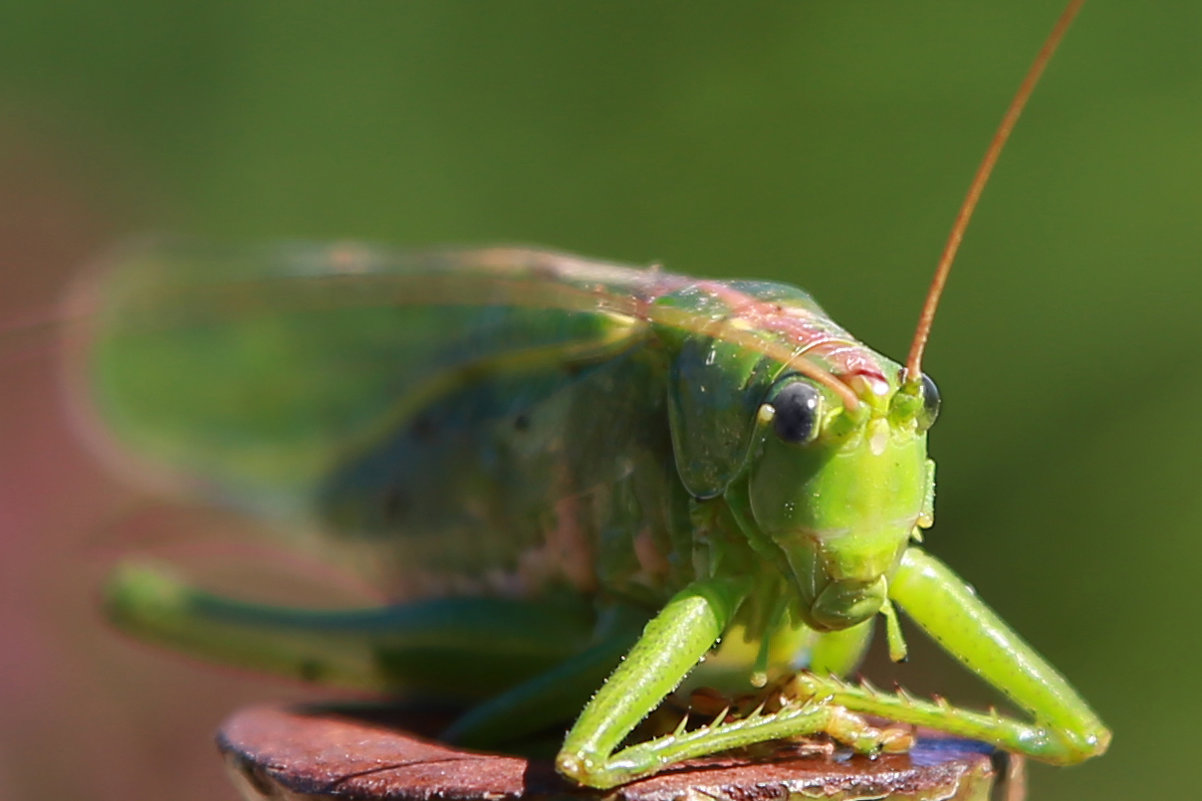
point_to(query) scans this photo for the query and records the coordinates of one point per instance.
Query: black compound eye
(796, 410)
(930, 403)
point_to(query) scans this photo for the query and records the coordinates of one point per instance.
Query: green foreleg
(1064, 729)
(643, 758)
(670, 646)
(798, 719)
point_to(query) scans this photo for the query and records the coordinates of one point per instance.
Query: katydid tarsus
(573, 475)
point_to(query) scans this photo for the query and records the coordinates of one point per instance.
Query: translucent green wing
(256, 372)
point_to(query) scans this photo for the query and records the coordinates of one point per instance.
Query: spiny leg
(1064, 729)
(795, 720)
(670, 646)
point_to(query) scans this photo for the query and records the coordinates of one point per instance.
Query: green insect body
(602, 461)
(585, 487)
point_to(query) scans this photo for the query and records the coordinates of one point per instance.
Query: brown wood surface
(360, 753)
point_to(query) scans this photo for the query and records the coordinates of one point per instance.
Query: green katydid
(605, 477)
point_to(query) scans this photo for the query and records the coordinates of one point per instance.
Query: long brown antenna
(923, 332)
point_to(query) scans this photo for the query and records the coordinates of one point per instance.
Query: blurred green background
(822, 143)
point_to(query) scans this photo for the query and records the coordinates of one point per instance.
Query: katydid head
(842, 493)
(839, 493)
(818, 447)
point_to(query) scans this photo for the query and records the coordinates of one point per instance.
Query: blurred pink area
(86, 713)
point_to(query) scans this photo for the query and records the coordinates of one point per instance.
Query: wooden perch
(288, 754)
